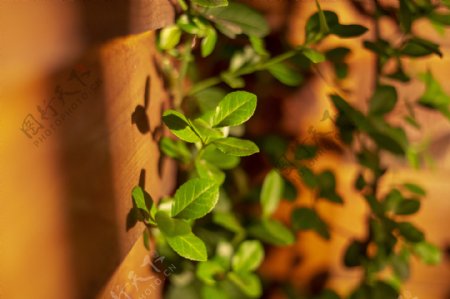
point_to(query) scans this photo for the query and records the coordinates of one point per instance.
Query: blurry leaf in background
(237, 18)
(434, 96)
(169, 37)
(271, 193)
(175, 149)
(307, 219)
(410, 232)
(272, 232)
(383, 100)
(285, 74)
(428, 253)
(248, 256)
(210, 3)
(248, 283)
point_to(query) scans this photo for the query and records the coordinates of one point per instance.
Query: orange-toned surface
(73, 144)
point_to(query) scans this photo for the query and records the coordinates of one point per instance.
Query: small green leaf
(234, 109)
(392, 200)
(207, 170)
(209, 98)
(313, 55)
(236, 147)
(305, 152)
(206, 271)
(209, 41)
(415, 189)
(285, 74)
(248, 257)
(188, 246)
(272, 232)
(418, 47)
(307, 219)
(171, 227)
(174, 149)
(410, 232)
(142, 200)
(228, 221)
(407, 207)
(272, 190)
(428, 253)
(355, 116)
(179, 126)
(308, 176)
(219, 159)
(348, 31)
(210, 3)
(248, 283)
(258, 45)
(237, 18)
(195, 198)
(169, 37)
(383, 100)
(205, 132)
(354, 254)
(434, 96)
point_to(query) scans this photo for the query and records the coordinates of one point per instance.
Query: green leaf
(434, 96)
(316, 29)
(383, 100)
(205, 132)
(219, 159)
(285, 74)
(237, 18)
(171, 227)
(313, 55)
(290, 191)
(206, 271)
(207, 170)
(248, 283)
(348, 31)
(248, 257)
(354, 254)
(307, 219)
(169, 37)
(236, 147)
(210, 3)
(400, 265)
(188, 246)
(142, 199)
(328, 294)
(234, 109)
(209, 98)
(228, 221)
(308, 176)
(355, 116)
(179, 126)
(415, 189)
(428, 253)
(258, 45)
(209, 42)
(175, 149)
(272, 190)
(407, 207)
(195, 198)
(410, 232)
(418, 47)
(272, 232)
(392, 200)
(209, 292)
(305, 152)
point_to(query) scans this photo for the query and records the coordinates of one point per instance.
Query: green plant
(206, 222)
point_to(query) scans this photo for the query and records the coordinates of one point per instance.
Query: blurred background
(84, 76)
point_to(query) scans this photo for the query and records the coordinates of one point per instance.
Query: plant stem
(213, 81)
(185, 60)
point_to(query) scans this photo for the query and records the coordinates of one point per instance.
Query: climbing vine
(216, 225)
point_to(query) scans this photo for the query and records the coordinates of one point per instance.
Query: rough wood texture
(79, 126)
